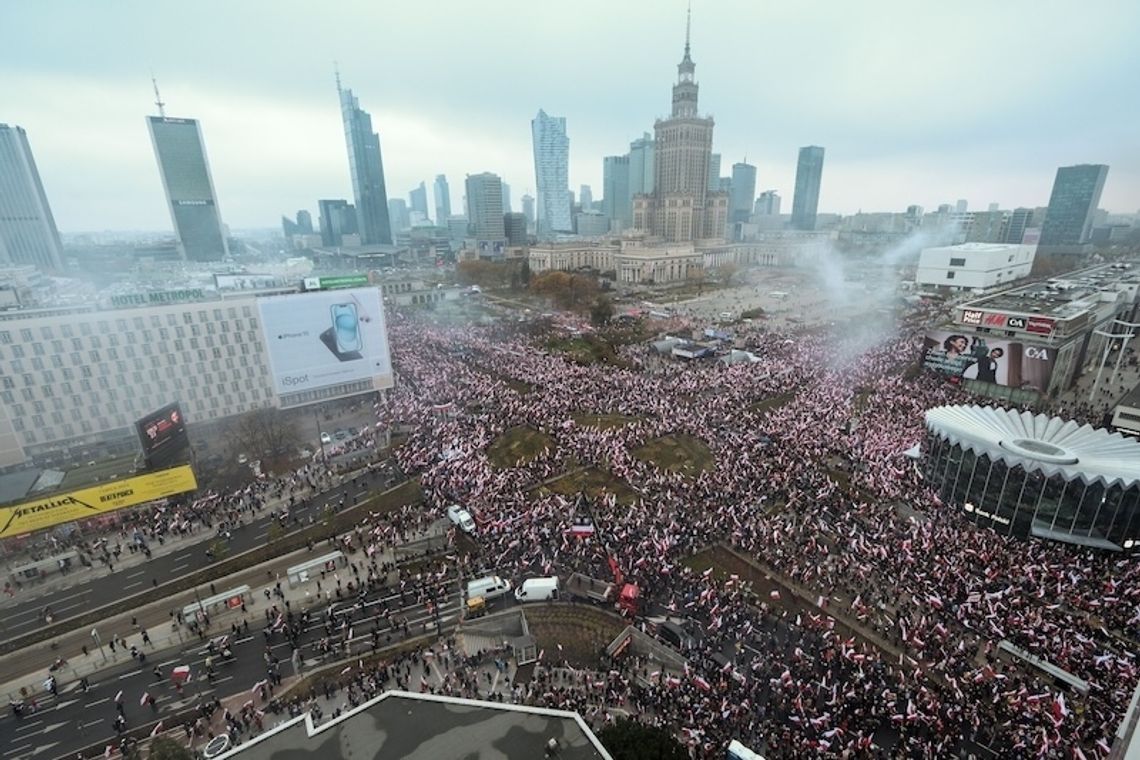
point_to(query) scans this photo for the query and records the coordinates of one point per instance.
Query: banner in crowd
(973, 356)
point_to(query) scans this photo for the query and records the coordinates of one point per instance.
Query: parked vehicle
(461, 518)
(538, 590)
(476, 606)
(489, 587)
(624, 595)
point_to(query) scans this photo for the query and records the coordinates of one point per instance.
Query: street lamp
(98, 642)
(320, 435)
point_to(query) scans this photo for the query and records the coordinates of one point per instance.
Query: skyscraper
(506, 198)
(528, 210)
(181, 155)
(367, 168)
(1075, 196)
(1021, 218)
(337, 218)
(615, 191)
(398, 215)
(586, 197)
(305, 222)
(714, 172)
(768, 204)
(442, 195)
(27, 229)
(485, 206)
(515, 227)
(417, 201)
(552, 173)
(681, 207)
(743, 192)
(805, 202)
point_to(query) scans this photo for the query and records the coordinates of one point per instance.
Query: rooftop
(400, 725)
(1063, 297)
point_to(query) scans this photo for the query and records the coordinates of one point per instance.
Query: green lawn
(677, 453)
(518, 443)
(770, 403)
(594, 483)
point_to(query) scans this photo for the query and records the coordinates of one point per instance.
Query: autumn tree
(265, 431)
(566, 290)
(629, 740)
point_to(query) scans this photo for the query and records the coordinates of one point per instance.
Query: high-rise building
(805, 202)
(586, 198)
(338, 218)
(681, 207)
(28, 234)
(1019, 219)
(442, 200)
(641, 166)
(714, 172)
(743, 192)
(1076, 193)
(417, 201)
(552, 173)
(181, 155)
(987, 226)
(398, 215)
(528, 210)
(515, 227)
(305, 222)
(367, 168)
(485, 206)
(961, 206)
(615, 191)
(768, 204)
(506, 198)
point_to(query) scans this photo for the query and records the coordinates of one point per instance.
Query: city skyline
(942, 141)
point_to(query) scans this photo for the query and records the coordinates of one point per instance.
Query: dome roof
(1040, 443)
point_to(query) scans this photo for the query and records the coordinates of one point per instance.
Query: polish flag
(582, 527)
(157, 728)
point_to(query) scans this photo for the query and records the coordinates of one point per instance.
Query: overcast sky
(915, 102)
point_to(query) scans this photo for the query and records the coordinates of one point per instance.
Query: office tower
(1075, 196)
(552, 173)
(987, 226)
(615, 191)
(1019, 219)
(27, 229)
(714, 172)
(586, 198)
(528, 210)
(515, 227)
(768, 204)
(398, 215)
(681, 207)
(961, 206)
(367, 168)
(641, 165)
(457, 228)
(305, 222)
(181, 155)
(506, 198)
(993, 207)
(338, 218)
(417, 201)
(805, 202)
(442, 195)
(485, 206)
(743, 192)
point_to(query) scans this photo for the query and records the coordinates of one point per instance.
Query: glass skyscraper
(743, 192)
(27, 229)
(442, 200)
(1076, 194)
(809, 173)
(552, 173)
(367, 168)
(181, 155)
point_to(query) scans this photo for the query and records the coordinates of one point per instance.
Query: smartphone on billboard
(346, 328)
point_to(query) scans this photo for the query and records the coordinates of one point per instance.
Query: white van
(490, 587)
(538, 590)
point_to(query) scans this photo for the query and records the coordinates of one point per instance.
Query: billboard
(163, 435)
(249, 281)
(1011, 363)
(325, 338)
(336, 283)
(39, 514)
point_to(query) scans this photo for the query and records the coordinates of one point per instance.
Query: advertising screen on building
(163, 436)
(326, 338)
(970, 356)
(93, 501)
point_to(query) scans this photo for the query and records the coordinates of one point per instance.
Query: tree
(728, 272)
(602, 311)
(265, 431)
(630, 740)
(164, 748)
(568, 291)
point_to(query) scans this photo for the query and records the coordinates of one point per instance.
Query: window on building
(955, 262)
(949, 275)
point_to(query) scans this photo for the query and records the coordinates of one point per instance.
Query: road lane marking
(26, 726)
(131, 674)
(178, 568)
(97, 702)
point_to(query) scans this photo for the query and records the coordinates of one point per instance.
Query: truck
(624, 595)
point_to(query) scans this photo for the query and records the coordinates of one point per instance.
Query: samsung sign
(158, 297)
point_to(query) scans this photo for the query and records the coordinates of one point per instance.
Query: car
(341, 435)
(461, 518)
(326, 438)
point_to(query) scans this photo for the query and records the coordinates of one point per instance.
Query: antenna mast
(158, 98)
(336, 71)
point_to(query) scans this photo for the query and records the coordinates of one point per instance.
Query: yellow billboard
(95, 500)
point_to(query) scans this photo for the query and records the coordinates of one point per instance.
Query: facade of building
(640, 167)
(1019, 219)
(586, 198)
(1033, 475)
(743, 192)
(771, 248)
(591, 224)
(552, 173)
(28, 234)
(528, 211)
(418, 202)
(506, 198)
(987, 226)
(714, 172)
(189, 188)
(514, 223)
(974, 266)
(767, 204)
(367, 168)
(398, 215)
(337, 218)
(809, 175)
(615, 192)
(568, 256)
(1072, 204)
(485, 206)
(442, 194)
(681, 207)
